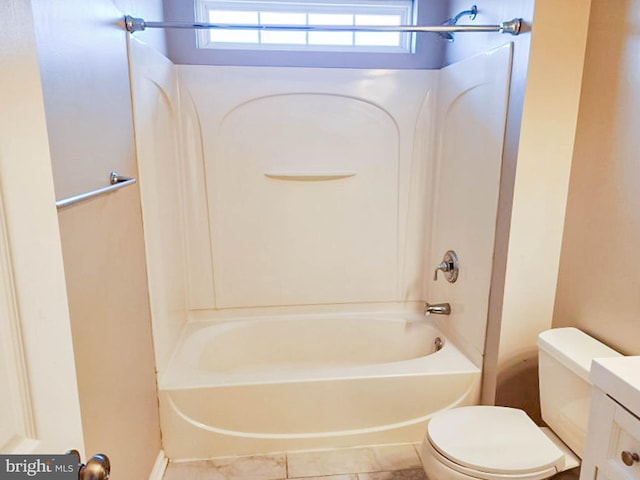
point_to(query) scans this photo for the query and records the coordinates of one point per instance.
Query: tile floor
(389, 462)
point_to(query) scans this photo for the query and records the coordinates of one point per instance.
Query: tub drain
(438, 343)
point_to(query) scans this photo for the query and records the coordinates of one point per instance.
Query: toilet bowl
(500, 443)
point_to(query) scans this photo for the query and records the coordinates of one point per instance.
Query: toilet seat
(493, 442)
(440, 467)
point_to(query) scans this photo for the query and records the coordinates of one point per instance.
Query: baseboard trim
(159, 466)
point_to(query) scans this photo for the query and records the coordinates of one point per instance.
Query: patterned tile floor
(390, 462)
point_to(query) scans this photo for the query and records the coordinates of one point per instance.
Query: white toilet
(500, 443)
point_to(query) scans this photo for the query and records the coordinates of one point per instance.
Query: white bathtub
(291, 383)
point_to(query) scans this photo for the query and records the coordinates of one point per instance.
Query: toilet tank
(564, 361)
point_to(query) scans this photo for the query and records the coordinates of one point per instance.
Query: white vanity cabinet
(612, 450)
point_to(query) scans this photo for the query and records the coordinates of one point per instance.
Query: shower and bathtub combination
(293, 220)
(311, 381)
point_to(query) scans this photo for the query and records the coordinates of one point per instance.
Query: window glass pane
(279, 18)
(330, 38)
(385, 39)
(229, 16)
(378, 20)
(234, 36)
(303, 12)
(330, 19)
(284, 38)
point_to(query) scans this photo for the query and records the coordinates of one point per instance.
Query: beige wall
(83, 60)
(540, 190)
(599, 279)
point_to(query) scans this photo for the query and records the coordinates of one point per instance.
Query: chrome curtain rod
(116, 181)
(513, 27)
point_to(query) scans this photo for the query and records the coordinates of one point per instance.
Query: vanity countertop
(619, 377)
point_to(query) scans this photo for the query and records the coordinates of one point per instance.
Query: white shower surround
(435, 146)
(283, 230)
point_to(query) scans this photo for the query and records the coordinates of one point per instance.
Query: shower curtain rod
(513, 27)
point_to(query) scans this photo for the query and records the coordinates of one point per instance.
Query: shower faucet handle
(444, 267)
(449, 266)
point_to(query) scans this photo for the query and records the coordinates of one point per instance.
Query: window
(296, 12)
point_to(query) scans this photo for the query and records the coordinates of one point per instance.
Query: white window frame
(404, 8)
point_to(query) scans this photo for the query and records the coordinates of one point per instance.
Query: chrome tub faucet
(437, 308)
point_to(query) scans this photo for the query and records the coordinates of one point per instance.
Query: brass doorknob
(98, 467)
(629, 458)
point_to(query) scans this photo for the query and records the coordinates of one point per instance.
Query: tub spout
(437, 308)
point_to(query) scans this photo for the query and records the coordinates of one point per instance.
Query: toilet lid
(494, 440)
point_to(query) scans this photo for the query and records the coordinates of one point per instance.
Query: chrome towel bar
(116, 181)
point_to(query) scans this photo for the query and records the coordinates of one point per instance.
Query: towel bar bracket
(116, 181)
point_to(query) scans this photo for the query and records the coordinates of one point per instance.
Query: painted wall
(600, 264)
(83, 60)
(541, 183)
(429, 47)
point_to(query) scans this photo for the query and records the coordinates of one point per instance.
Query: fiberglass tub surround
(315, 381)
(304, 191)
